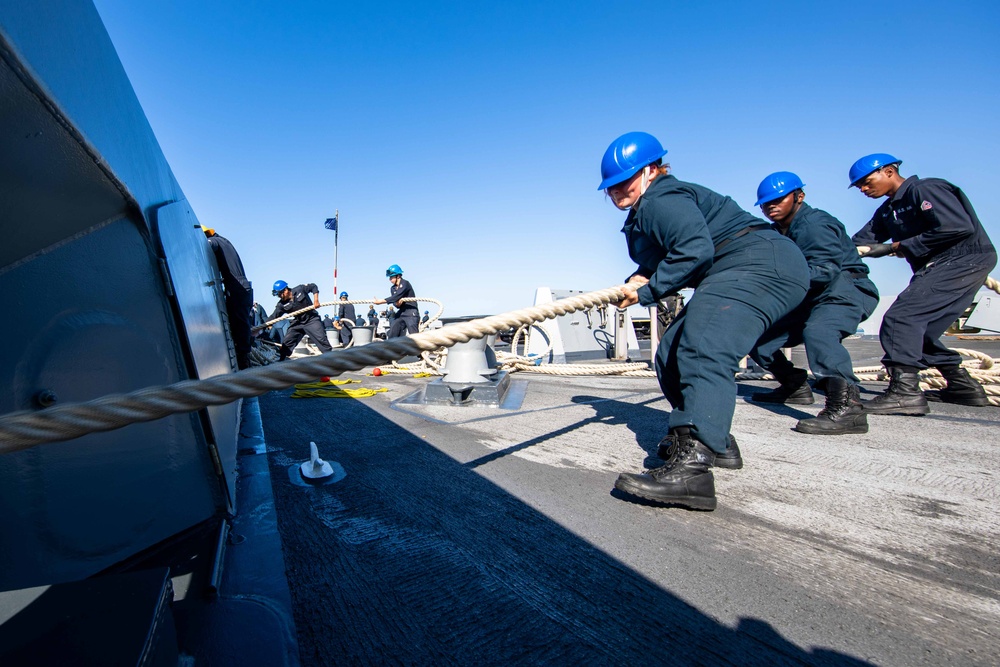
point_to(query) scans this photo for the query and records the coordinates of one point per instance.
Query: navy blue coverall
(346, 314)
(840, 297)
(407, 315)
(307, 323)
(746, 277)
(951, 256)
(239, 297)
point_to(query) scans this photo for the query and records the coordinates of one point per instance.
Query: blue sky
(462, 141)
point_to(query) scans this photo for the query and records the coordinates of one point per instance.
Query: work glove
(875, 250)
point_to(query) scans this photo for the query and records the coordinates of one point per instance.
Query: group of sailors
(761, 287)
(308, 323)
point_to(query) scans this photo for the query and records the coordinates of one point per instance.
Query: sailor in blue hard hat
(345, 320)
(406, 317)
(840, 297)
(871, 164)
(308, 323)
(932, 224)
(746, 275)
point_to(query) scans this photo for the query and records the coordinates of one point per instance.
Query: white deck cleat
(315, 469)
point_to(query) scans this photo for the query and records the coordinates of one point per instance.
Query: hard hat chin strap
(643, 186)
(645, 181)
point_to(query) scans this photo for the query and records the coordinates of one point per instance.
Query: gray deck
(489, 536)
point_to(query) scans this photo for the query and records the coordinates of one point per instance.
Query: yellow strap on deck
(325, 384)
(325, 389)
(337, 392)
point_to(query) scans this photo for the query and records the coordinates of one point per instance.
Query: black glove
(878, 250)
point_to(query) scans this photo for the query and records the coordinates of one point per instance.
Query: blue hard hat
(870, 163)
(776, 186)
(343, 295)
(279, 287)
(393, 270)
(627, 155)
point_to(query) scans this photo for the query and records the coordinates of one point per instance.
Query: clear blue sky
(462, 140)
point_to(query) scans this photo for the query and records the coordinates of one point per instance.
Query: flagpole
(334, 224)
(336, 236)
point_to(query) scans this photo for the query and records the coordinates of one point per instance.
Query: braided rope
(575, 369)
(990, 282)
(640, 374)
(20, 430)
(262, 354)
(432, 365)
(985, 361)
(418, 368)
(428, 365)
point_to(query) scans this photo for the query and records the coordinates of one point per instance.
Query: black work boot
(794, 389)
(903, 397)
(962, 388)
(843, 413)
(685, 480)
(729, 459)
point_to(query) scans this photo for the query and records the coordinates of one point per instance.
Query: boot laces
(682, 446)
(890, 392)
(669, 442)
(835, 405)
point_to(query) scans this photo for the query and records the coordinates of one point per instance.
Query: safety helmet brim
(628, 154)
(868, 165)
(770, 197)
(777, 185)
(630, 172)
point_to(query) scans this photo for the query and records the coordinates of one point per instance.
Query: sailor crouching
(840, 297)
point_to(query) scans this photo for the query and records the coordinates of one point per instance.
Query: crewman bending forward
(309, 322)
(840, 297)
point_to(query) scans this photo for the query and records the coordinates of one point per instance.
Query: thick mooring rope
(532, 363)
(21, 430)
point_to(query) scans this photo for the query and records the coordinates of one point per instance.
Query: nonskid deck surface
(465, 535)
